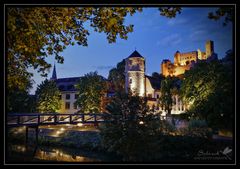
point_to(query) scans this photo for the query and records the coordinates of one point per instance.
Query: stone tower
(135, 74)
(177, 58)
(209, 48)
(165, 65)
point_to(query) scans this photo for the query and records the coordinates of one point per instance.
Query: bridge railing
(19, 119)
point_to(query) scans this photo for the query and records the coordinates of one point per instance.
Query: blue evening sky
(155, 37)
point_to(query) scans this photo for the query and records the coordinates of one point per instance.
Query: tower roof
(135, 54)
(54, 74)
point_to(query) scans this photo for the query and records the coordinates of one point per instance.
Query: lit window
(67, 105)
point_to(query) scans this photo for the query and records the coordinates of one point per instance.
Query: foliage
(38, 32)
(91, 88)
(132, 132)
(208, 89)
(168, 90)
(20, 101)
(157, 76)
(225, 12)
(117, 76)
(170, 12)
(196, 128)
(47, 95)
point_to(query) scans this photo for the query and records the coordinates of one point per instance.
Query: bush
(133, 132)
(198, 128)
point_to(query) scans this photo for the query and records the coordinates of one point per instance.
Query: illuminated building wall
(183, 61)
(135, 74)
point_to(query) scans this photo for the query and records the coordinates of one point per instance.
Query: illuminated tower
(135, 74)
(177, 58)
(209, 48)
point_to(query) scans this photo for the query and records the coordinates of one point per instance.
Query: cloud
(170, 40)
(198, 35)
(177, 21)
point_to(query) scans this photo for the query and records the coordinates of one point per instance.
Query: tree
(157, 76)
(221, 12)
(117, 76)
(133, 131)
(36, 33)
(207, 87)
(47, 95)
(168, 90)
(91, 89)
(18, 100)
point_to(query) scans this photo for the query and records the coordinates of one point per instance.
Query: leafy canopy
(47, 95)
(133, 130)
(38, 32)
(169, 88)
(117, 76)
(91, 89)
(208, 89)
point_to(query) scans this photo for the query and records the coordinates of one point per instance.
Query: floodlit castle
(184, 61)
(146, 86)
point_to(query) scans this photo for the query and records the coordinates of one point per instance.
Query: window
(67, 105)
(157, 95)
(130, 81)
(75, 105)
(60, 97)
(76, 96)
(67, 96)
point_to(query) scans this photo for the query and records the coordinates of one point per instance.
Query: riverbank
(169, 148)
(57, 144)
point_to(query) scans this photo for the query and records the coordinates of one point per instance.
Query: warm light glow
(79, 124)
(141, 122)
(62, 129)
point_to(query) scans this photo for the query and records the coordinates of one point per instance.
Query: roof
(67, 84)
(135, 54)
(156, 83)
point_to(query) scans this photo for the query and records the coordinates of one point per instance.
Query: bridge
(34, 120)
(40, 119)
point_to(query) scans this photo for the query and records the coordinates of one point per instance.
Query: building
(69, 93)
(184, 61)
(146, 86)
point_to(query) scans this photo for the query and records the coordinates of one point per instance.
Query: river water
(20, 153)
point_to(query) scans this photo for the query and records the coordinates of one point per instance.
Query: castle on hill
(184, 61)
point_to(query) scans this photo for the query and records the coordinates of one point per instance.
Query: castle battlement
(184, 61)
